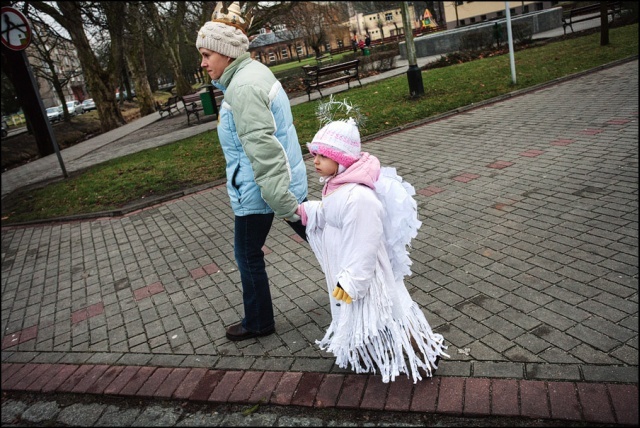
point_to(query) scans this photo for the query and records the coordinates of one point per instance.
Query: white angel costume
(359, 233)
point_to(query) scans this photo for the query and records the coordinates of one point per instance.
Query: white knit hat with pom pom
(338, 140)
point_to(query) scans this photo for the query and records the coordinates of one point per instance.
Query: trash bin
(208, 103)
(367, 52)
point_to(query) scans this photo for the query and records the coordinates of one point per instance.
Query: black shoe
(238, 332)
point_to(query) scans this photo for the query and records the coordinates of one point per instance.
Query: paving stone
(41, 411)
(81, 415)
(157, 416)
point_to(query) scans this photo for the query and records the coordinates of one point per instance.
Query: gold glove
(340, 294)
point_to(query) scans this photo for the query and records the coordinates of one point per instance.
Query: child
(359, 232)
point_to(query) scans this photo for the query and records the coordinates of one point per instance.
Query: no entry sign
(16, 31)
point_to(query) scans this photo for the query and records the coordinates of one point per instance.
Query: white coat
(383, 329)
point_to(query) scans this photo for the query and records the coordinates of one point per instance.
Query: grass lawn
(386, 104)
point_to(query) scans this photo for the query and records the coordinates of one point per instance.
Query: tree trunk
(134, 53)
(170, 40)
(99, 81)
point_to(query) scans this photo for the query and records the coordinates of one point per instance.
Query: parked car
(75, 107)
(133, 95)
(89, 104)
(5, 130)
(54, 113)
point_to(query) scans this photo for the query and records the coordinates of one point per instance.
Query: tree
(369, 7)
(101, 82)
(45, 64)
(169, 26)
(135, 56)
(455, 6)
(380, 25)
(312, 22)
(9, 96)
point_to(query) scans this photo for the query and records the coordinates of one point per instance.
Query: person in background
(265, 171)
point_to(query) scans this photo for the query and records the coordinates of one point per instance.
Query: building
(462, 13)
(279, 44)
(379, 25)
(60, 54)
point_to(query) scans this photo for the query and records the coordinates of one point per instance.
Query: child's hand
(340, 294)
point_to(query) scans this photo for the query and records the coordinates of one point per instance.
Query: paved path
(527, 263)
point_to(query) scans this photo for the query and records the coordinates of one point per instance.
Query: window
(462, 22)
(284, 53)
(499, 14)
(327, 47)
(272, 57)
(473, 20)
(483, 17)
(512, 11)
(388, 16)
(525, 9)
(340, 44)
(299, 50)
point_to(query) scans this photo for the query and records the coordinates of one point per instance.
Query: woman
(266, 174)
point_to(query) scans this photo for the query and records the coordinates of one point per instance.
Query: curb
(602, 403)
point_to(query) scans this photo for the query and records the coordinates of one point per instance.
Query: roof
(272, 38)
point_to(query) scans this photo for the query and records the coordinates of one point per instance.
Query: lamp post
(414, 75)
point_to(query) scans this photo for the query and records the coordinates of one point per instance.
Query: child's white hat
(339, 140)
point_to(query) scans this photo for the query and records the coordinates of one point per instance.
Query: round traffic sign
(16, 31)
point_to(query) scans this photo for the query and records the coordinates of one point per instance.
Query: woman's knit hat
(226, 32)
(339, 140)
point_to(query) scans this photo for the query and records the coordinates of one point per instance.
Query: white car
(89, 104)
(75, 107)
(54, 114)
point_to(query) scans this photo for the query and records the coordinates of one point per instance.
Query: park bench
(168, 107)
(317, 77)
(585, 13)
(324, 59)
(193, 104)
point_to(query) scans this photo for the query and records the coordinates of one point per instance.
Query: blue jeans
(250, 235)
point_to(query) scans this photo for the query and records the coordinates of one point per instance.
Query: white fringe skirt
(371, 336)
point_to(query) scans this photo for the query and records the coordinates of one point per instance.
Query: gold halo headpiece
(232, 15)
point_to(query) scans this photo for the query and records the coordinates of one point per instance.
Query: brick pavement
(527, 263)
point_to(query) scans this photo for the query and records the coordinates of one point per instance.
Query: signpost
(16, 37)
